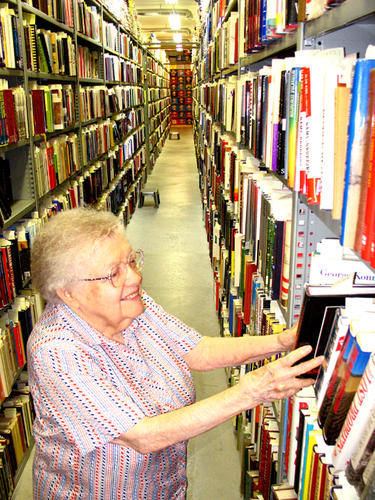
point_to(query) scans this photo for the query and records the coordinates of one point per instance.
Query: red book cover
(250, 269)
(239, 316)
(368, 231)
(314, 471)
(7, 281)
(73, 200)
(217, 293)
(51, 168)
(3, 291)
(37, 97)
(11, 272)
(10, 116)
(236, 43)
(306, 111)
(20, 351)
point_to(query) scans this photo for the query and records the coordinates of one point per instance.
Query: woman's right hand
(278, 379)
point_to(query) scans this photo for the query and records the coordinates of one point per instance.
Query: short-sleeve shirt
(88, 389)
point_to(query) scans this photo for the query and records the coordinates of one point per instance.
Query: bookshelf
(80, 136)
(227, 158)
(158, 102)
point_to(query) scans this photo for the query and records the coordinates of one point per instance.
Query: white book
(360, 418)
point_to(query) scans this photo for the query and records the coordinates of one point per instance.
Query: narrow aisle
(178, 275)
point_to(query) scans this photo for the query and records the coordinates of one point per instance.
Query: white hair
(66, 245)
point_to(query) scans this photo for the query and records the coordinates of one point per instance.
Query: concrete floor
(178, 276)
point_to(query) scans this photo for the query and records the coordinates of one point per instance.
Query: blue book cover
(263, 21)
(355, 150)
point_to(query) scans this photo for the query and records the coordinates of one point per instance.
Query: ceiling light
(177, 37)
(171, 2)
(179, 47)
(174, 21)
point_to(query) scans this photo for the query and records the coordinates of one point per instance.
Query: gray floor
(178, 275)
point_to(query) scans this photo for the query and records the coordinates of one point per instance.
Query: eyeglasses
(119, 273)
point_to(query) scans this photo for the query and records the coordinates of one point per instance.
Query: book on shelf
(366, 486)
(89, 21)
(304, 399)
(30, 32)
(345, 376)
(365, 239)
(318, 311)
(6, 192)
(10, 45)
(61, 10)
(355, 157)
(13, 118)
(359, 419)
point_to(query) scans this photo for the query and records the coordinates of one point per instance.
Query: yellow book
(342, 102)
(312, 441)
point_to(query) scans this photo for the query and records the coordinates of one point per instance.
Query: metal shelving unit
(21, 154)
(351, 24)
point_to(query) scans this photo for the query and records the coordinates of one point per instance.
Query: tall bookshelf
(84, 119)
(158, 103)
(223, 157)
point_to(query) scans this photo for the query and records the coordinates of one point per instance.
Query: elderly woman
(110, 370)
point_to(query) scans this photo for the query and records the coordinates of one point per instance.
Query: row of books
(88, 62)
(266, 22)
(157, 140)
(115, 39)
(16, 422)
(157, 81)
(127, 209)
(329, 429)
(223, 51)
(61, 10)
(118, 192)
(111, 34)
(101, 101)
(158, 133)
(48, 51)
(271, 113)
(98, 138)
(52, 107)
(157, 120)
(156, 106)
(10, 42)
(16, 326)
(13, 118)
(55, 161)
(86, 189)
(155, 94)
(119, 70)
(89, 20)
(221, 100)
(156, 67)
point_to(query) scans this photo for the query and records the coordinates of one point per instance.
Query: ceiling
(153, 17)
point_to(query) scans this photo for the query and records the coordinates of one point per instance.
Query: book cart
(268, 243)
(78, 114)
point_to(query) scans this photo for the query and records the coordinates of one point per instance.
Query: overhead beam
(165, 12)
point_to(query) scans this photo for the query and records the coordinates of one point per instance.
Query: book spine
(355, 149)
(358, 419)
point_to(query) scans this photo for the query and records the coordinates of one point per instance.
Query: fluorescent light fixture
(179, 47)
(177, 37)
(174, 22)
(171, 2)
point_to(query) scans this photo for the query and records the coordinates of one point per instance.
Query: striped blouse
(88, 389)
